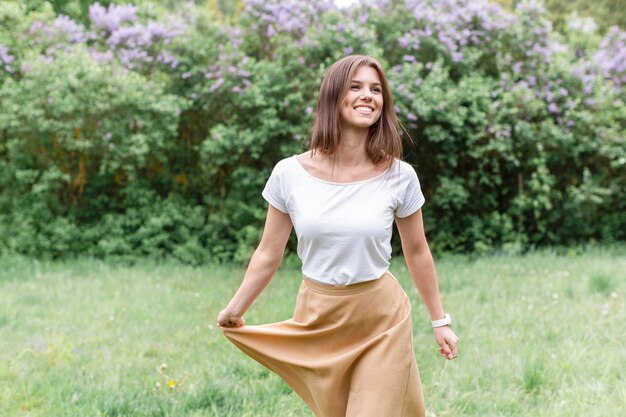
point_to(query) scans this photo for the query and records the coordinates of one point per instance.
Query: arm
(422, 269)
(262, 267)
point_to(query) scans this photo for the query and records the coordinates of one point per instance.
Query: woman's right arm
(262, 267)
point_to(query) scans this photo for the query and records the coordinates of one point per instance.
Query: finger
(453, 350)
(454, 344)
(446, 350)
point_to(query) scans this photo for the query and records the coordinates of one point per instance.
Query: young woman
(348, 350)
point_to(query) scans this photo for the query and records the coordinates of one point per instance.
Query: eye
(378, 90)
(354, 86)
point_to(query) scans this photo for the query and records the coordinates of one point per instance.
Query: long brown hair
(383, 139)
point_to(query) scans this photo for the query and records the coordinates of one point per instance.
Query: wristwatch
(446, 320)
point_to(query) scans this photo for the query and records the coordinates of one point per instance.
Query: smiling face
(363, 103)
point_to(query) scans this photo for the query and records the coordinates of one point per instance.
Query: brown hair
(383, 139)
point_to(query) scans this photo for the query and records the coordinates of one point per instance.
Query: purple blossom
(6, 59)
(106, 56)
(73, 31)
(553, 108)
(217, 84)
(611, 57)
(455, 24)
(411, 116)
(54, 37)
(404, 41)
(285, 16)
(167, 58)
(112, 18)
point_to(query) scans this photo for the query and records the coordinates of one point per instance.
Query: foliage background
(150, 129)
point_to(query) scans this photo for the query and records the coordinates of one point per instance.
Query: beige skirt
(348, 351)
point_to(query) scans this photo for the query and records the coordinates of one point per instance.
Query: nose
(366, 94)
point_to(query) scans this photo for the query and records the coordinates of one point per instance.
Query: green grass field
(540, 335)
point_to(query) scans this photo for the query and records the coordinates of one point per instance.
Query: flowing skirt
(347, 352)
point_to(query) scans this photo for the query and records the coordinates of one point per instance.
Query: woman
(348, 350)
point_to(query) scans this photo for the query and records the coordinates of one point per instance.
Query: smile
(364, 110)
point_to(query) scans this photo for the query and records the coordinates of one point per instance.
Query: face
(363, 104)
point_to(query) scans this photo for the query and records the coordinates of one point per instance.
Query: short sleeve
(273, 192)
(410, 198)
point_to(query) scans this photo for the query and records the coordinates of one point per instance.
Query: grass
(540, 335)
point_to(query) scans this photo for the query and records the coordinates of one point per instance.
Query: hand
(447, 341)
(227, 319)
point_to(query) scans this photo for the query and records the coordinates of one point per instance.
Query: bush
(135, 131)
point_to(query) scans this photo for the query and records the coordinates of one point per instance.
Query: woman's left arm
(422, 269)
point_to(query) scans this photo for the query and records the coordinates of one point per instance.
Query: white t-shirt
(343, 229)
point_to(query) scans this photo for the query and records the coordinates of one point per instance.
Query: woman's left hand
(448, 342)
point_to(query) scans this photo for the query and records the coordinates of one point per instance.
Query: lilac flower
(611, 57)
(553, 108)
(167, 58)
(455, 24)
(185, 75)
(286, 16)
(132, 36)
(111, 19)
(74, 32)
(5, 57)
(217, 84)
(404, 41)
(63, 30)
(411, 116)
(106, 56)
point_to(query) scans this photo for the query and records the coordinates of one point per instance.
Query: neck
(351, 150)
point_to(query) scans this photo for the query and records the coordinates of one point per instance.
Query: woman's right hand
(227, 319)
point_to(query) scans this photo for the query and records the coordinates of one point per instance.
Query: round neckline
(338, 183)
